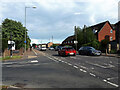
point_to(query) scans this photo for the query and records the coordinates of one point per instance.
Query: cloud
(58, 17)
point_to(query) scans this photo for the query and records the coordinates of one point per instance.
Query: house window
(111, 38)
(71, 41)
(111, 31)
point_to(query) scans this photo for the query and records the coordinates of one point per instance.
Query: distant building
(49, 44)
(69, 40)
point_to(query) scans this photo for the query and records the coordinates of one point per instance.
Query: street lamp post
(25, 26)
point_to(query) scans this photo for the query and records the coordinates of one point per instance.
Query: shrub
(113, 51)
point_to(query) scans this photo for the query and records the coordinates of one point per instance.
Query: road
(49, 70)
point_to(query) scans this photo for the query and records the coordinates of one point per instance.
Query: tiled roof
(98, 26)
(70, 38)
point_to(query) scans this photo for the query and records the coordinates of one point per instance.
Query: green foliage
(54, 45)
(4, 44)
(67, 45)
(86, 37)
(17, 30)
(13, 57)
(113, 51)
(103, 44)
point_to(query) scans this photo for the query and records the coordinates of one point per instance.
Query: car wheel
(79, 53)
(74, 54)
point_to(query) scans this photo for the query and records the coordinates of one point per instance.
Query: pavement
(111, 55)
(29, 54)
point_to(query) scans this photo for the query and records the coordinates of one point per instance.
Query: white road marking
(59, 60)
(95, 64)
(10, 63)
(111, 83)
(83, 70)
(52, 59)
(34, 61)
(83, 67)
(73, 57)
(66, 62)
(92, 74)
(112, 78)
(35, 52)
(56, 58)
(69, 64)
(75, 67)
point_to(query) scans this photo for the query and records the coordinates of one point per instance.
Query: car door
(81, 50)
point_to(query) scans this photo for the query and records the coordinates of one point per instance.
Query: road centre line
(75, 67)
(83, 70)
(92, 74)
(69, 64)
(52, 59)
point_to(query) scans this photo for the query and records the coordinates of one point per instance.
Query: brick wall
(15, 52)
(106, 31)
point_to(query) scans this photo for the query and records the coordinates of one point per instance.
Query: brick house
(102, 31)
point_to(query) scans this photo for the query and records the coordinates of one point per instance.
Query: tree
(104, 44)
(17, 30)
(86, 37)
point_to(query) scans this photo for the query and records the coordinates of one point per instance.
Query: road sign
(11, 42)
(25, 42)
(75, 42)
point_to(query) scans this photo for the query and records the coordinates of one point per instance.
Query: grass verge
(11, 58)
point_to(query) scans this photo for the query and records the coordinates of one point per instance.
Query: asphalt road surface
(49, 70)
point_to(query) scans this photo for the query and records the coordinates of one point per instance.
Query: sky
(57, 18)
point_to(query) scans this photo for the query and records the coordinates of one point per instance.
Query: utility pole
(11, 44)
(52, 39)
(76, 37)
(85, 33)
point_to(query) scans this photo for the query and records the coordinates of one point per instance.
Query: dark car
(67, 51)
(57, 48)
(89, 51)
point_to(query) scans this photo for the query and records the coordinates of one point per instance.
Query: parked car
(43, 48)
(89, 51)
(51, 48)
(66, 51)
(57, 48)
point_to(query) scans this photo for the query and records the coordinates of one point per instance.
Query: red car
(66, 51)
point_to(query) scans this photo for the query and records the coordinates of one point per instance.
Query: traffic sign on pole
(25, 42)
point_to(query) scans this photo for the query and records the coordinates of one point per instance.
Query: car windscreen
(91, 48)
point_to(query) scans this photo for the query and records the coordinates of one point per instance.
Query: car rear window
(68, 48)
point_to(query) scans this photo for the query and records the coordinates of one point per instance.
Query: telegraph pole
(11, 44)
(76, 37)
(52, 39)
(85, 33)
